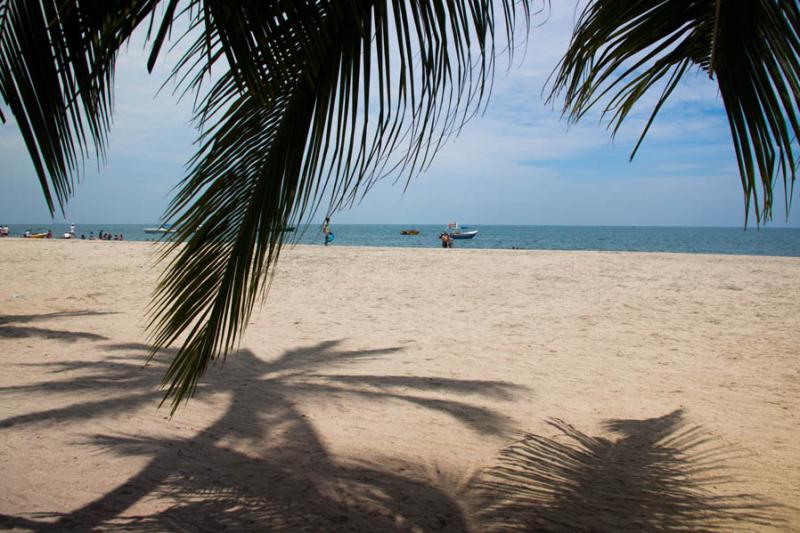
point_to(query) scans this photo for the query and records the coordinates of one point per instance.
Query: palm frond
(621, 50)
(317, 101)
(56, 68)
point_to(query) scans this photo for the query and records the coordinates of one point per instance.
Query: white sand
(377, 388)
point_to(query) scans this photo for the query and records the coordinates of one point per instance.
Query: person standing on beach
(326, 230)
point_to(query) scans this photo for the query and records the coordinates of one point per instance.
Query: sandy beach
(382, 389)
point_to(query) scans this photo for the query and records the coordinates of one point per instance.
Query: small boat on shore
(38, 233)
(409, 232)
(456, 232)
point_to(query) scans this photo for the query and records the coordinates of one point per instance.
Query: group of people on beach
(104, 236)
(447, 240)
(101, 236)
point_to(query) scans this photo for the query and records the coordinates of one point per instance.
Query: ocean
(704, 240)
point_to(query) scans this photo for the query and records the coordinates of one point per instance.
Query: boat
(163, 228)
(409, 232)
(456, 232)
(38, 233)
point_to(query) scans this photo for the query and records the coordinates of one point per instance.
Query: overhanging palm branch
(56, 69)
(315, 100)
(621, 50)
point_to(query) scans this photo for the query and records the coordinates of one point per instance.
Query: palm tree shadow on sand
(657, 476)
(286, 479)
(11, 326)
(262, 465)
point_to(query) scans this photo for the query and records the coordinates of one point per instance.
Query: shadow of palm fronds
(89, 389)
(6, 319)
(202, 486)
(10, 328)
(261, 464)
(661, 474)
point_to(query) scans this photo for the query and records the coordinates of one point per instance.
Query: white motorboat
(163, 228)
(456, 232)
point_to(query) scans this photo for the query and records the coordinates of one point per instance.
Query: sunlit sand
(409, 389)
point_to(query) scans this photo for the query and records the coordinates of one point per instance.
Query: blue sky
(519, 163)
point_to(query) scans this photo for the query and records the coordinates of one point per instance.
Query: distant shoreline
(770, 226)
(469, 251)
(702, 240)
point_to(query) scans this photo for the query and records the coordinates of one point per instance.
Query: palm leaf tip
(621, 50)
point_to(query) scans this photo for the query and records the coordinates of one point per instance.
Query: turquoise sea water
(765, 241)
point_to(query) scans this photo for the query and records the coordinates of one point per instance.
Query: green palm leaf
(56, 69)
(315, 100)
(318, 99)
(342, 93)
(621, 50)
